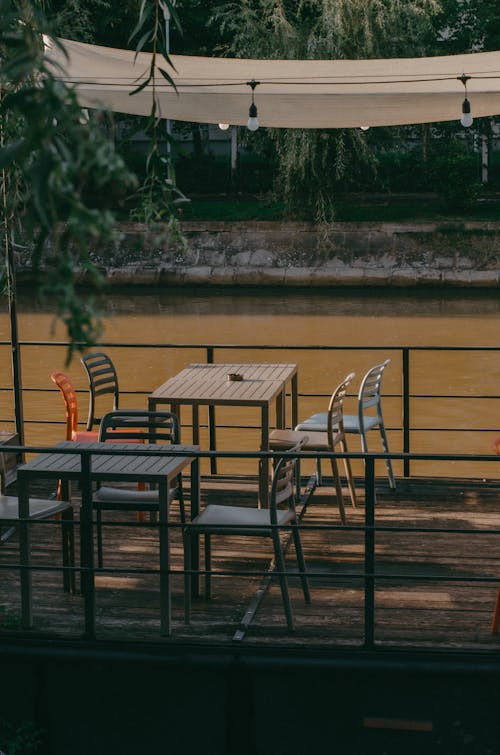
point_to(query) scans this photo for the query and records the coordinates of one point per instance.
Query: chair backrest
(145, 427)
(103, 380)
(369, 391)
(335, 424)
(282, 483)
(69, 395)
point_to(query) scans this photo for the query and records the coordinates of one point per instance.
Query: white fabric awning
(291, 93)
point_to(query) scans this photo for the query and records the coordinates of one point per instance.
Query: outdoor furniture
(129, 426)
(103, 380)
(258, 385)
(12, 514)
(334, 437)
(71, 405)
(369, 416)
(253, 522)
(157, 464)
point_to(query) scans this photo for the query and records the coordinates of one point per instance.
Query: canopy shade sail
(289, 93)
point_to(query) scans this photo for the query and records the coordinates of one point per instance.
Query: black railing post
(87, 546)
(369, 552)
(211, 419)
(406, 410)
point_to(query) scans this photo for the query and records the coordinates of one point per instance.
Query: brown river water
(456, 410)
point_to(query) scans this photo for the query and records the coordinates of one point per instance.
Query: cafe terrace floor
(430, 595)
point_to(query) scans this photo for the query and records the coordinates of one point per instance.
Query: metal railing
(404, 417)
(372, 573)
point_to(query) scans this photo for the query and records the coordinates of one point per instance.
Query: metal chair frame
(253, 522)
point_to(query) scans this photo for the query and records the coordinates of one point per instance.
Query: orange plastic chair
(70, 402)
(72, 432)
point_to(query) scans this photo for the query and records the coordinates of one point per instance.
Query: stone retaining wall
(301, 254)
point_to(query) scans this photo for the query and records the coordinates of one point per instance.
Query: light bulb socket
(466, 106)
(252, 111)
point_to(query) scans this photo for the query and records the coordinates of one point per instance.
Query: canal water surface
(456, 408)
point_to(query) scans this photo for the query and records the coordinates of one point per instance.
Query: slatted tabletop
(205, 384)
(144, 462)
(260, 385)
(158, 464)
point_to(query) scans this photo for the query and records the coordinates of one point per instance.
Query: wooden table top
(209, 384)
(132, 465)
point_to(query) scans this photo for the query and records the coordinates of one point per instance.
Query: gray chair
(369, 416)
(40, 509)
(331, 440)
(253, 522)
(103, 380)
(130, 426)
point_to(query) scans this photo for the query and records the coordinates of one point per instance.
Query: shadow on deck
(431, 588)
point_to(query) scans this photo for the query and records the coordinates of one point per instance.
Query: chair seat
(237, 519)
(85, 436)
(318, 423)
(107, 494)
(316, 441)
(39, 507)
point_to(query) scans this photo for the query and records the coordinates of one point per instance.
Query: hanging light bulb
(364, 128)
(223, 126)
(466, 119)
(253, 120)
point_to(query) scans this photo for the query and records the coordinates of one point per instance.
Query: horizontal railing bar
(254, 347)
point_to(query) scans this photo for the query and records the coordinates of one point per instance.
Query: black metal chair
(254, 522)
(40, 508)
(130, 426)
(103, 380)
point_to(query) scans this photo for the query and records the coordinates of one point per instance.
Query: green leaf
(11, 152)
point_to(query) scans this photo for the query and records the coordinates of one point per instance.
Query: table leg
(87, 548)
(295, 400)
(165, 592)
(25, 555)
(212, 438)
(195, 541)
(264, 463)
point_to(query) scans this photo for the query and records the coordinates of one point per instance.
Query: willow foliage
(312, 162)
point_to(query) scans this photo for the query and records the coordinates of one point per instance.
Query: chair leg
(208, 567)
(280, 565)
(180, 495)
(68, 550)
(187, 577)
(495, 624)
(388, 464)
(338, 489)
(348, 474)
(99, 538)
(301, 562)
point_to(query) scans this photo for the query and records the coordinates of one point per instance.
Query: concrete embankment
(303, 254)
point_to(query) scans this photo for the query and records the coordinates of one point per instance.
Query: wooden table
(208, 385)
(97, 463)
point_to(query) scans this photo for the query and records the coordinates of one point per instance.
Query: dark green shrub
(455, 176)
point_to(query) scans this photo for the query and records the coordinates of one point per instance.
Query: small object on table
(234, 377)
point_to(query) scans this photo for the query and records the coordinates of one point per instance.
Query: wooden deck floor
(410, 609)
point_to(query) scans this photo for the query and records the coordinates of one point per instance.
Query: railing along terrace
(435, 398)
(371, 571)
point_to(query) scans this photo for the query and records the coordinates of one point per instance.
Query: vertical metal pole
(234, 155)
(211, 420)
(369, 552)
(87, 546)
(10, 275)
(406, 410)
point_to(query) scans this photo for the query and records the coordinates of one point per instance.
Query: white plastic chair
(331, 440)
(253, 522)
(369, 416)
